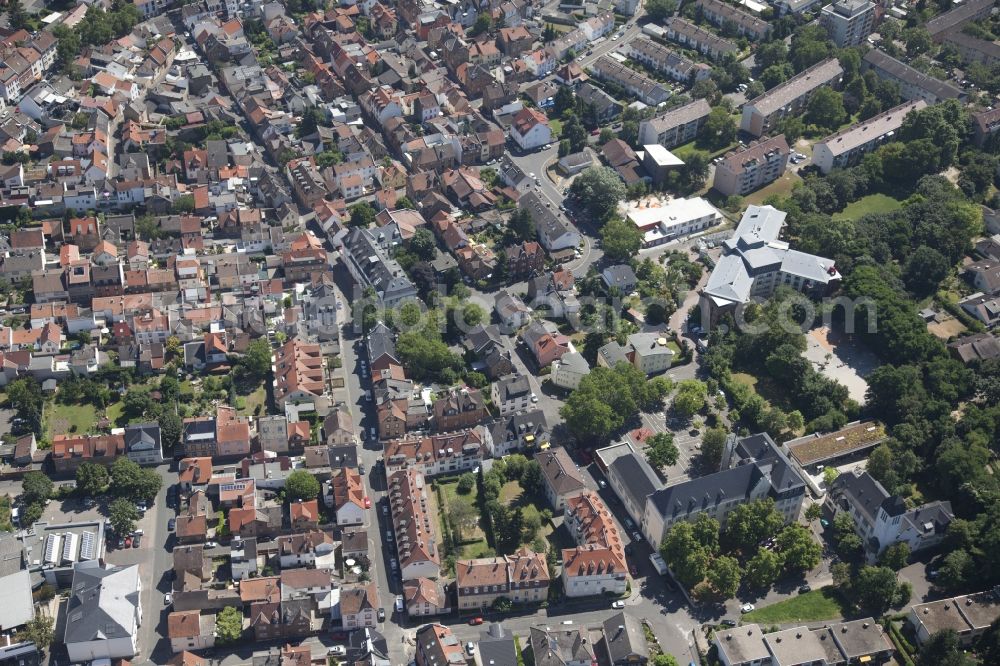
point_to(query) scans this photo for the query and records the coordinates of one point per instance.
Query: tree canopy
(599, 190)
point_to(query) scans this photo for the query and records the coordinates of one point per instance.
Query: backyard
(5, 522)
(823, 604)
(61, 419)
(781, 187)
(470, 538)
(873, 203)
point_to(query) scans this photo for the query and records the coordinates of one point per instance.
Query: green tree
(752, 523)
(661, 450)
(620, 239)
(183, 204)
(713, 443)
(170, 427)
(944, 649)
(466, 483)
(92, 479)
(255, 364)
(763, 569)
(599, 190)
(423, 244)
(800, 551)
(690, 397)
(362, 215)
(229, 625)
(36, 487)
(39, 630)
(719, 129)
(301, 485)
(875, 589)
(896, 556)
(123, 515)
(988, 645)
(918, 41)
(16, 15)
(957, 570)
(826, 109)
(522, 225)
(814, 512)
(660, 10)
(924, 271)
(771, 53)
(664, 659)
(461, 516)
(574, 132)
(482, 24)
(724, 575)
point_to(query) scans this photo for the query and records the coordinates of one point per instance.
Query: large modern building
(913, 84)
(676, 126)
(754, 263)
(849, 22)
(789, 98)
(849, 145)
(104, 613)
(753, 468)
(748, 169)
(678, 218)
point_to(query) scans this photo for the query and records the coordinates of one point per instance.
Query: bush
(466, 483)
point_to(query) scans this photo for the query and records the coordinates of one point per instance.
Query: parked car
(804, 588)
(135, 540)
(211, 544)
(634, 570)
(368, 502)
(470, 647)
(618, 605)
(399, 603)
(747, 608)
(381, 615)
(337, 651)
(168, 599)
(476, 621)
(172, 524)
(728, 623)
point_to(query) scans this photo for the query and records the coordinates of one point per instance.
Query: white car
(534, 398)
(618, 605)
(168, 599)
(337, 651)
(211, 544)
(747, 608)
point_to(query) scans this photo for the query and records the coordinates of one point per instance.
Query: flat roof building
(848, 22)
(749, 169)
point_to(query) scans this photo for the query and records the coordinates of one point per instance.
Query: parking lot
(688, 446)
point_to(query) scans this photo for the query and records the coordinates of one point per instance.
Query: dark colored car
(171, 524)
(728, 623)
(804, 588)
(135, 540)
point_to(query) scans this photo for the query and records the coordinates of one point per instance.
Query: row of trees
(608, 398)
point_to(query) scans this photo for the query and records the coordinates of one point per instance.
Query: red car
(128, 542)
(368, 502)
(476, 621)
(632, 569)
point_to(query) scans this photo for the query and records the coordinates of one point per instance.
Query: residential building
(413, 525)
(562, 478)
(697, 38)
(723, 14)
(511, 393)
(597, 564)
(555, 233)
(314, 548)
(955, 18)
(457, 409)
(142, 443)
(743, 646)
(70, 451)
(882, 520)
(372, 267)
(913, 84)
(645, 89)
(300, 375)
(975, 348)
(753, 468)
(423, 597)
(666, 61)
(348, 496)
(103, 613)
(982, 307)
(984, 125)
(675, 127)
(625, 641)
(630, 477)
(530, 129)
(190, 630)
(848, 22)
(969, 616)
(754, 263)
(789, 98)
(522, 577)
(520, 431)
(569, 371)
(437, 646)
(562, 646)
(749, 169)
(445, 453)
(973, 49)
(359, 606)
(848, 146)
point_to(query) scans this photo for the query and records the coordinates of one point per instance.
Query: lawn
(451, 496)
(116, 413)
(781, 187)
(873, 203)
(556, 126)
(513, 496)
(813, 606)
(63, 419)
(691, 146)
(248, 404)
(765, 387)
